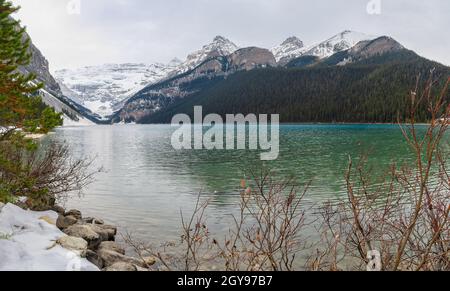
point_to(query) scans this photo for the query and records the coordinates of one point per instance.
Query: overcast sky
(117, 31)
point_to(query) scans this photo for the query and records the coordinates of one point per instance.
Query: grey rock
(106, 232)
(75, 213)
(94, 258)
(121, 267)
(88, 220)
(64, 222)
(93, 220)
(58, 209)
(85, 232)
(1, 206)
(40, 66)
(99, 221)
(111, 257)
(73, 243)
(111, 246)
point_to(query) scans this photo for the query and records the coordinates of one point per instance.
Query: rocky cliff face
(381, 45)
(251, 58)
(40, 67)
(52, 94)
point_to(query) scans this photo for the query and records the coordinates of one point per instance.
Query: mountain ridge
(365, 83)
(52, 94)
(217, 62)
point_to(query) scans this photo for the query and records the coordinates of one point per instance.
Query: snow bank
(27, 243)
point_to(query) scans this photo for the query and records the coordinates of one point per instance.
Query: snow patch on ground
(27, 243)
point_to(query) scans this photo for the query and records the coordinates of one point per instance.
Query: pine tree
(20, 105)
(21, 108)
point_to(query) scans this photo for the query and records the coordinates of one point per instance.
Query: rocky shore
(65, 232)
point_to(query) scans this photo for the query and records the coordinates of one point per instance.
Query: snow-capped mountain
(106, 89)
(220, 46)
(101, 88)
(291, 48)
(340, 42)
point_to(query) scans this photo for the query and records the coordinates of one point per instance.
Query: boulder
(111, 246)
(121, 267)
(149, 261)
(88, 220)
(110, 228)
(73, 243)
(92, 220)
(98, 221)
(94, 258)
(108, 232)
(75, 213)
(64, 222)
(111, 257)
(85, 232)
(58, 209)
(1, 206)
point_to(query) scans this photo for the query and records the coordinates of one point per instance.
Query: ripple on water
(147, 183)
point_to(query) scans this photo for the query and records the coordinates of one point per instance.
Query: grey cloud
(157, 30)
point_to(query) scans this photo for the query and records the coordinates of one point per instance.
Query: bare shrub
(43, 176)
(194, 250)
(406, 217)
(265, 234)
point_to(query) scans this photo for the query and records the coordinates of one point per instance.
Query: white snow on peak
(100, 88)
(291, 48)
(340, 42)
(220, 46)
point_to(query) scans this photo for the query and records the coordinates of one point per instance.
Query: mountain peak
(339, 42)
(222, 43)
(294, 41)
(291, 48)
(220, 46)
(376, 46)
(220, 38)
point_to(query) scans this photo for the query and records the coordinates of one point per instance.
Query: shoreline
(61, 240)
